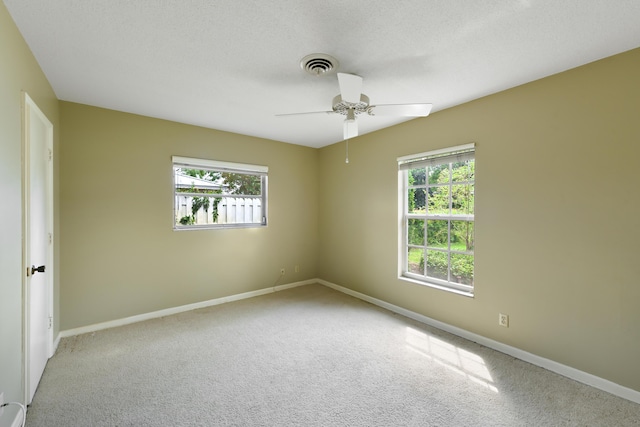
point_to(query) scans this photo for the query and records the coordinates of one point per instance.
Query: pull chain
(346, 160)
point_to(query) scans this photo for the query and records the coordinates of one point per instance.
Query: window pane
(462, 237)
(417, 176)
(415, 261)
(437, 264)
(462, 199)
(463, 171)
(439, 200)
(417, 200)
(415, 233)
(462, 269)
(438, 233)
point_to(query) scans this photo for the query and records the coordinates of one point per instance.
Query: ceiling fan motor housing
(343, 107)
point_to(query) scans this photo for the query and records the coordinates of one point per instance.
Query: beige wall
(18, 72)
(556, 205)
(556, 243)
(121, 255)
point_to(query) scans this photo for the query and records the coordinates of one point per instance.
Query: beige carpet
(308, 356)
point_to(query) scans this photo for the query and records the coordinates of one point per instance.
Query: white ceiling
(233, 65)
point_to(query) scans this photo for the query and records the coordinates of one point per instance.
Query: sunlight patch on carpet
(454, 358)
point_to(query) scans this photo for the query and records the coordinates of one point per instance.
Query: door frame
(28, 106)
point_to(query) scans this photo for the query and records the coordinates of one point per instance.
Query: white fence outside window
(231, 210)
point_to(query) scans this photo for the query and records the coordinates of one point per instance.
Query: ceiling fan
(351, 102)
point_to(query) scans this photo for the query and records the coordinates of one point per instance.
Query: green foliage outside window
(449, 193)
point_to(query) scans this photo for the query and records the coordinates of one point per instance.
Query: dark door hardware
(35, 269)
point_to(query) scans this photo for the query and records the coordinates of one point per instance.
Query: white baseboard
(54, 346)
(176, 310)
(567, 371)
(564, 370)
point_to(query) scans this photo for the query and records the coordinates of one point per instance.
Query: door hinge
(50, 322)
(50, 155)
(50, 238)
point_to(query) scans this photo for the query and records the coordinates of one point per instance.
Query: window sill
(218, 227)
(436, 286)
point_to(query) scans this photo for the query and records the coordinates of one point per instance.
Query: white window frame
(405, 163)
(221, 166)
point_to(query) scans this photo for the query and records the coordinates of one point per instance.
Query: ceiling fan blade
(350, 87)
(406, 110)
(305, 114)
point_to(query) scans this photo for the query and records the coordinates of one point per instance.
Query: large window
(437, 205)
(215, 194)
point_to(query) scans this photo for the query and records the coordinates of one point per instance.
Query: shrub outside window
(216, 194)
(437, 210)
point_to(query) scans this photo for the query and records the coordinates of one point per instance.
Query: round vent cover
(319, 64)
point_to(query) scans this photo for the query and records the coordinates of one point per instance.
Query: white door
(38, 198)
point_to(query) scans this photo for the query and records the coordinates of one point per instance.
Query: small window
(437, 205)
(216, 194)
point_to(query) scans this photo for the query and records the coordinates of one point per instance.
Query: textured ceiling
(233, 65)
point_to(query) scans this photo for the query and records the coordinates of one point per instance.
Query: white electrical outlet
(503, 320)
(1, 403)
(297, 269)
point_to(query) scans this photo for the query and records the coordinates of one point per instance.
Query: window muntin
(215, 194)
(438, 197)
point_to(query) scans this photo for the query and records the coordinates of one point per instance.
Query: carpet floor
(307, 356)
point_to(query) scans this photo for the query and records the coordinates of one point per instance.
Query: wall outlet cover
(503, 320)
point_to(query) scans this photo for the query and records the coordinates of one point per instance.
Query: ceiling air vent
(319, 64)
